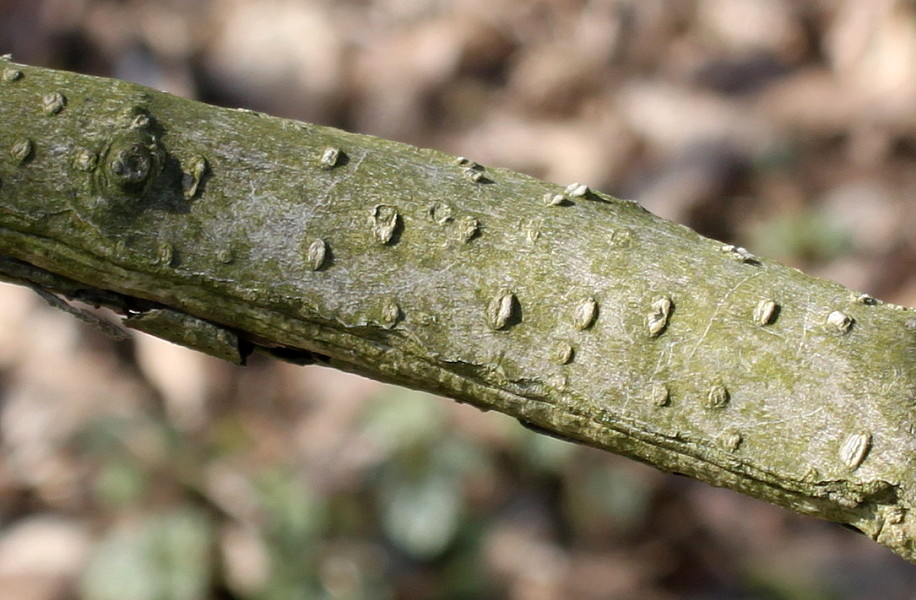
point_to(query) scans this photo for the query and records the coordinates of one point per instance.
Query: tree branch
(579, 314)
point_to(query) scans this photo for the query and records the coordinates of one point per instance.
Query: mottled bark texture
(580, 314)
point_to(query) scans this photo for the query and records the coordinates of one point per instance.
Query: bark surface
(579, 314)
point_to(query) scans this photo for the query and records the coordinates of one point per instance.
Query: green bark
(577, 313)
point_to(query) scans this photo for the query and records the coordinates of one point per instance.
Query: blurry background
(141, 471)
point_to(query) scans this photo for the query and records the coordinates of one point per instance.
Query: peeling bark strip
(195, 220)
